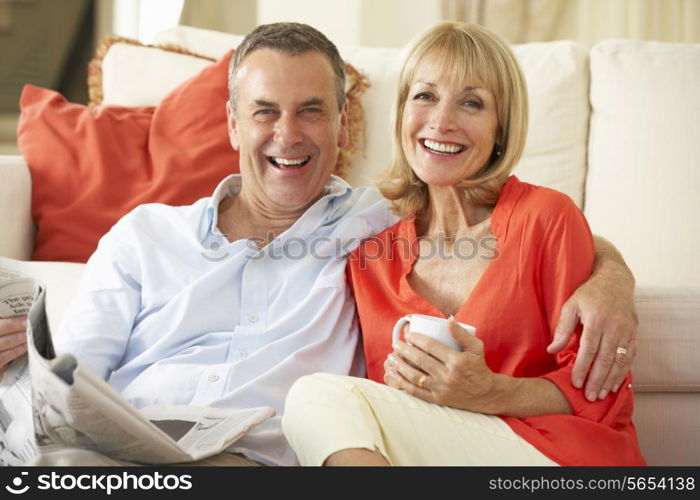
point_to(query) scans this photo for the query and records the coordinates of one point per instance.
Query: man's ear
(344, 131)
(232, 126)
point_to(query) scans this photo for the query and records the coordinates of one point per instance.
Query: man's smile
(283, 163)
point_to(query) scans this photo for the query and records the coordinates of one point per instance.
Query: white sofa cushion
(555, 152)
(557, 75)
(644, 156)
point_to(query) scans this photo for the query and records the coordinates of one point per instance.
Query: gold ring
(421, 381)
(621, 351)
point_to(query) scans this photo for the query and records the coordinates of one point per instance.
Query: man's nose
(288, 131)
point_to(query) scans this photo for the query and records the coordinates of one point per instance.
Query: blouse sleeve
(567, 257)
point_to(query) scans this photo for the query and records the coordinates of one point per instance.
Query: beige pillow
(153, 71)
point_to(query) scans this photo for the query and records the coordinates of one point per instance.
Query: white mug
(430, 326)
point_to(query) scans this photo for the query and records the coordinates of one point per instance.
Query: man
(227, 302)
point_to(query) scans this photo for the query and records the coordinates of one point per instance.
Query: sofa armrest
(668, 347)
(16, 228)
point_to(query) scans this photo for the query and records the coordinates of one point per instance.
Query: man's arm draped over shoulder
(605, 307)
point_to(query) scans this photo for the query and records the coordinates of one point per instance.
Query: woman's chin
(440, 181)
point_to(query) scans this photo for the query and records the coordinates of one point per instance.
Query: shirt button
(253, 318)
(241, 355)
(213, 378)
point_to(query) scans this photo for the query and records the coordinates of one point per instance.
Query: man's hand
(605, 307)
(13, 339)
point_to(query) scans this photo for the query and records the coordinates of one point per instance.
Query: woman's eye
(422, 96)
(473, 103)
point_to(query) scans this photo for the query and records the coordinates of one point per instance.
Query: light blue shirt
(170, 312)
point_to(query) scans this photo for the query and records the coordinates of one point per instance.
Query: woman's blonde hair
(470, 53)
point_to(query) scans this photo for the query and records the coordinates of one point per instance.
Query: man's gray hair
(293, 39)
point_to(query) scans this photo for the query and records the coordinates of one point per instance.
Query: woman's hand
(431, 371)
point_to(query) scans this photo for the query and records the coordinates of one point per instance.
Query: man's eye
(311, 113)
(265, 114)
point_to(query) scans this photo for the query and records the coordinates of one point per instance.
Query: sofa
(615, 127)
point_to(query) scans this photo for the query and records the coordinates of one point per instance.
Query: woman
(503, 400)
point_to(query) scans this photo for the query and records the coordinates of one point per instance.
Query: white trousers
(327, 413)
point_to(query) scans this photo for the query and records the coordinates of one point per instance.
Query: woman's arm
(463, 380)
(605, 306)
(527, 397)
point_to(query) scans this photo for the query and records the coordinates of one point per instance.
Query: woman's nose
(442, 118)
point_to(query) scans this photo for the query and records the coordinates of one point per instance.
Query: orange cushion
(90, 166)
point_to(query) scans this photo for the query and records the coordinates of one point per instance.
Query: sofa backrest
(639, 166)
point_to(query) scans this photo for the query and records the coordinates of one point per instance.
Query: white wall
(374, 23)
(238, 17)
(139, 19)
(393, 23)
(377, 23)
(339, 20)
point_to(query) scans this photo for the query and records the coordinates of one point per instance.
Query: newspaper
(63, 404)
(17, 443)
(17, 293)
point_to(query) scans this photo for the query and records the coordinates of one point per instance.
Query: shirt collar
(335, 188)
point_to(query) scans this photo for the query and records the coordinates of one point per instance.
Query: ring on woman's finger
(421, 380)
(621, 351)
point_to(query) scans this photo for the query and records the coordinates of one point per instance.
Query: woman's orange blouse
(544, 251)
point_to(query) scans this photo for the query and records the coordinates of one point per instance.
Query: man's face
(287, 127)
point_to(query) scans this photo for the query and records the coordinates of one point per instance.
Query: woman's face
(449, 127)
